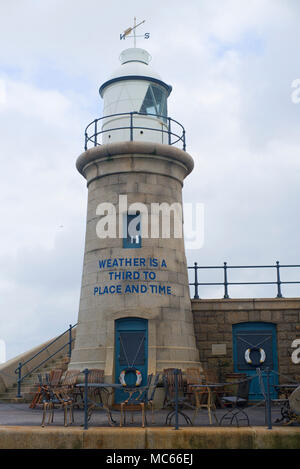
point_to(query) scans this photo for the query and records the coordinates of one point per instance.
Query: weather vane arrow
(128, 31)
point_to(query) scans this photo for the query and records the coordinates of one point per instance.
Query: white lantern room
(135, 101)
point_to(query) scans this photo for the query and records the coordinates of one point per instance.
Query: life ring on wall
(126, 370)
(260, 350)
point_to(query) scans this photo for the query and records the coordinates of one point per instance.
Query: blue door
(255, 346)
(131, 352)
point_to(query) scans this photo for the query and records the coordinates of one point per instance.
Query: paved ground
(20, 415)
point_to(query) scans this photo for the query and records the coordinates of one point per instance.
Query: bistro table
(285, 410)
(211, 390)
(106, 391)
(104, 403)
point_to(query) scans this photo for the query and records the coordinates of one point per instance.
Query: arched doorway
(255, 346)
(131, 351)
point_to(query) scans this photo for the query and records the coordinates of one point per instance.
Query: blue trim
(130, 324)
(168, 88)
(257, 327)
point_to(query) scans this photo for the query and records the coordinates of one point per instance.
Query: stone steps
(29, 385)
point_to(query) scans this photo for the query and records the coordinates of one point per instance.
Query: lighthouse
(135, 311)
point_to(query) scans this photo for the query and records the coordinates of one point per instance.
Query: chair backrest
(169, 375)
(243, 389)
(210, 376)
(234, 380)
(40, 379)
(55, 377)
(194, 376)
(70, 378)
(96, 376)
(155, 383)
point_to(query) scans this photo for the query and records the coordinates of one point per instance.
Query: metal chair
(140, 400)
(169, 381)
(238, 402)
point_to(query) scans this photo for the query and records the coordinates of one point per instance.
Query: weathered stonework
(147, 173)
(213, 321)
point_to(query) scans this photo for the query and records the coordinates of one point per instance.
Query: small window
(132, 231)
(155, 102)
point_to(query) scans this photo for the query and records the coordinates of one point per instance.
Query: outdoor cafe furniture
(175, 387)
(238, 401)
(193, 376)
(95, 375)
(54, 379)
(55, 398)
(106, 390)
(150, 401)
(205, 396)
(285, 391)
(138, 396)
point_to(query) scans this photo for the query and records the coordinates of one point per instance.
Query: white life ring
(126, 370)
(262, 355)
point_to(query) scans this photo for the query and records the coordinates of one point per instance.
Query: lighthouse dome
(134, 65)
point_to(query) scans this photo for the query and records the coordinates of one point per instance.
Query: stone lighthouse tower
(135, 310)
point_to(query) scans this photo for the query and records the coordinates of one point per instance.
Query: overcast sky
(231, 64)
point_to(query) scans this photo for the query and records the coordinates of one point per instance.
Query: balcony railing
(174, 130)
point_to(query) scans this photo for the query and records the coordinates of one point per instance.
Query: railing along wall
(68, 345)
(227, 283)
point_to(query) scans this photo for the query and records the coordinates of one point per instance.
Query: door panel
(131, 351)
(257, 340)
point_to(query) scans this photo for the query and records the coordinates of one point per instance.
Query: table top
(111, 385)
(101, 385)
(286, 385)
(210, 385)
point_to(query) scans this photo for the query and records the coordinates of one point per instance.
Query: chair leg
(45, 405)
(121, 416)
(143, 414)
(152, 412)
(51, 413)
(194, 416)
(65, 415)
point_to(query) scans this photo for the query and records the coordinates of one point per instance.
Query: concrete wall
(213, 320)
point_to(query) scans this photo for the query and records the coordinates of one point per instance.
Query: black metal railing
(226, 283)
(93, 136)
(181, 404)
(68, 344)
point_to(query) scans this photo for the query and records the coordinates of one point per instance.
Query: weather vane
(134, 35)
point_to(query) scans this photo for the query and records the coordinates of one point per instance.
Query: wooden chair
(132, 401)
(150, 401)
(95, 376)
(170, 394)
(55, 377)
(54, 398)
(68, 385)
(38, 395)
(193, 376)
(211, 377)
